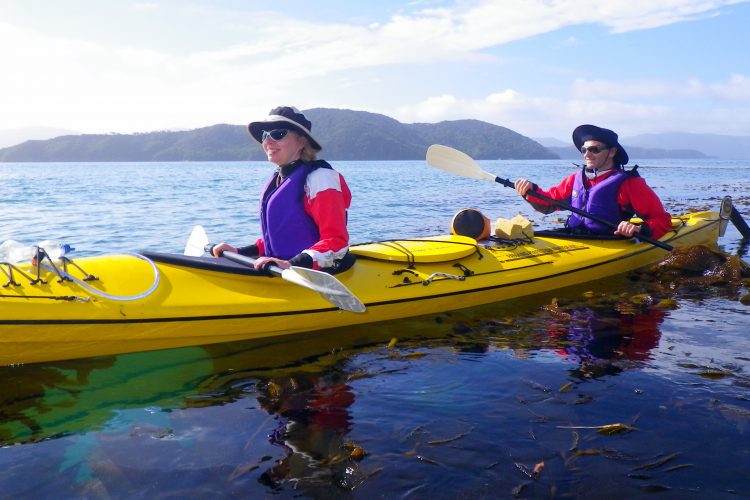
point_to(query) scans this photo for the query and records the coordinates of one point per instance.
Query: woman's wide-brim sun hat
(284, 117)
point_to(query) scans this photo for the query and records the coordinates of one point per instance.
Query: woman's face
(284, 150)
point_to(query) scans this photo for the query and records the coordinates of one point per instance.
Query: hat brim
(585, 133)
(277, 121)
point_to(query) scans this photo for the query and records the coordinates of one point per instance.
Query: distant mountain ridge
(218, 142)
(345, 135)
(635, 152)
(727, 147)
(351, 135)
(675, 145)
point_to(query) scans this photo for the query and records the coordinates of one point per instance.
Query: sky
(538, 67)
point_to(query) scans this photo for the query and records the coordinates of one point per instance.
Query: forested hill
(344, 134)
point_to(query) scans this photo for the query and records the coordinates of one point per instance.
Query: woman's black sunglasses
(275, 134)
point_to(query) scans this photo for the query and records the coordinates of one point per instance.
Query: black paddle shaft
(582, 213)
(740, 223)
(269, 268)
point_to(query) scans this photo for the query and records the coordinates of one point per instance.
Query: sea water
(584, 392)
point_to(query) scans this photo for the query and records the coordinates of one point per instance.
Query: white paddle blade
(196, 242)
(456, 162)
(326, 285)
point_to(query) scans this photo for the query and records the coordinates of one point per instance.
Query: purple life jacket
(286, 227)
(599, 200)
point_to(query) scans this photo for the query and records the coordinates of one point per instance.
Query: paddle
(456, 162)
(325, 284)
(740, 224)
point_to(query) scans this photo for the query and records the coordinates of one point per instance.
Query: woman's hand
(222, 247)
(261, 262)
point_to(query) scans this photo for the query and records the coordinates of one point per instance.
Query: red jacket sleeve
(562, 191)
(635, 193)
(328, 208)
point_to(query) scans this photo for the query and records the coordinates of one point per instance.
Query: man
(603, 188)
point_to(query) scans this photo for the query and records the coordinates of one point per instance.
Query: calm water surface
(505, 401)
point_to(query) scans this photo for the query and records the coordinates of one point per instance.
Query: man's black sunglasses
(594, 149)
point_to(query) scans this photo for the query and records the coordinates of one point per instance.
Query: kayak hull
(157, 301)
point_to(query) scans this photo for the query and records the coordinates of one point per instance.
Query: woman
(303, 206)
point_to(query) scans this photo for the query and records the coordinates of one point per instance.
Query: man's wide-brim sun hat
(584, 133)
(284, 117)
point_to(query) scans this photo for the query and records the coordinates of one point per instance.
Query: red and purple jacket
(633, 196)
(303, 217)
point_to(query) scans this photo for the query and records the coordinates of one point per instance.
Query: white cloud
(432, 109)
(77, 83)
(737, 89)
(507, 97)
(143, 6)
(603, 89)
(477, 25)
(719, 108)
(571, 41)
(501, 108)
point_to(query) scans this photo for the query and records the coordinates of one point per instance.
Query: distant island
(635, 152)
(667, 145)
(345, 135)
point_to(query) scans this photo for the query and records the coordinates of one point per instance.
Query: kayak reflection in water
(40, 401)
(313, 420)
(601, 340)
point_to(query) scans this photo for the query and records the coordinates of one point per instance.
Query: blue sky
(537, 67)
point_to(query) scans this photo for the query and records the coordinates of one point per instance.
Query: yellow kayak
(137, 302)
